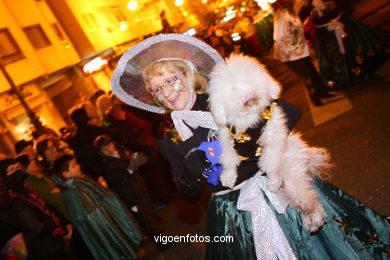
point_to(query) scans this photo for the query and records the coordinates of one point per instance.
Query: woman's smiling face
(171, 89)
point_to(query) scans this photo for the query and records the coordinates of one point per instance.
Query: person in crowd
(137, 135)
(45, 231)
(25, 147)
(167, 73)
(91, 162)
(8, 231)
(101, 219)
(82, 143)
(93, 98)
(48, 150)
(66, 135)
(93, 116)
(103, 103)
(291, 48)
(140, 130)
(166, 27)
(247, 30)
(220, 39)
(43, 185)
(149, 118)
(123, 175)
(37, 175)
(348, 51)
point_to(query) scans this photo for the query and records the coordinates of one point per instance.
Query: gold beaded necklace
(242, 137)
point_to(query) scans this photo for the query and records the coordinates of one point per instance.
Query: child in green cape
(99, 216)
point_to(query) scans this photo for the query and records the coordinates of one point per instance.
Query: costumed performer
(100, 217)
(168, 73)
(348, 51)
(290, 47)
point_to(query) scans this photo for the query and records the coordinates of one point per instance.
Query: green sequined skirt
(353, 231)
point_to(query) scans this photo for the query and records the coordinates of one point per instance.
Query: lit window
(9, 49)
(118, 14)
(91, 21)
(58, 31)
(37, 36)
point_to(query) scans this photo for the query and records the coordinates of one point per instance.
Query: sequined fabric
(353, 231)
(192, 118)
(270, 242)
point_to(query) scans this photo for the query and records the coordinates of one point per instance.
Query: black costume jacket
(132, 190)
(187, 166)
(129, 187)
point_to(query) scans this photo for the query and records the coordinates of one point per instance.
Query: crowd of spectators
(111, 154)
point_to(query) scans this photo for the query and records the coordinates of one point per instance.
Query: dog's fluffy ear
(215, 85)
(219, 114)
(274, 88)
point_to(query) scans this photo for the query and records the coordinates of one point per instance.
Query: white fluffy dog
(239, 90)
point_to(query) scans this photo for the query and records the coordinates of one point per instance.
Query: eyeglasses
(170, 82)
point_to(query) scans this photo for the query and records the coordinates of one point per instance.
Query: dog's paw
(317, 220)
(314, 221)
(228, 178)
(306, 221)
(274, 184)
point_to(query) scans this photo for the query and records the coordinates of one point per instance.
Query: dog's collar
(243, 137)
(267, 112)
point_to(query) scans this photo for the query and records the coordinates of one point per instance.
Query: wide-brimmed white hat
(127, 82)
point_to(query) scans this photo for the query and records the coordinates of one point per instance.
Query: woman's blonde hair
(156, 69)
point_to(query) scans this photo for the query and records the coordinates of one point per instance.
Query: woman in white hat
(168, 73)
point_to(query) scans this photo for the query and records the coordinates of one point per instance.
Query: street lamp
(179, 2)
(33, 117)
(132, 5)
(122, 26)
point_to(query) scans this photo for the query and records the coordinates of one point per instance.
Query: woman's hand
(213, 173)
(212, 150)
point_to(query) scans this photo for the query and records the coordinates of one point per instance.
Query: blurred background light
(123, 27)
(132, 5)
(179, 2)
(190, 32)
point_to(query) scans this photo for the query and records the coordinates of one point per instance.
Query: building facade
(33, 50)
(44, 45)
